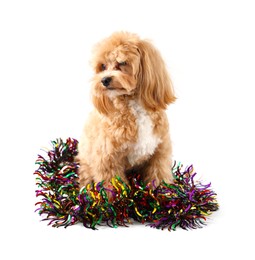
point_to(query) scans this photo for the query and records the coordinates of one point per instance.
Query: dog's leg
(108, 167)
(103, 168)
(158, 167)
(84, 174)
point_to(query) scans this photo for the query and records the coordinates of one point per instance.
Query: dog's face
(116, 64)
(126, 65)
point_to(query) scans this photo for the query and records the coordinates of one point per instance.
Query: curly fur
(129, 126)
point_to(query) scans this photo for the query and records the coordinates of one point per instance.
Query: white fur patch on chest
(147, 141)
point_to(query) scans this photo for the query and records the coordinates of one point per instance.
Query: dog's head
(126, 65)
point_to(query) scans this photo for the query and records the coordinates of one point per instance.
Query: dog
(128, 129)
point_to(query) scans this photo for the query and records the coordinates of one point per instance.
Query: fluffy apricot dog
(129, 127)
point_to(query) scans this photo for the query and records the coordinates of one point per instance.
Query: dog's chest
(146, 141)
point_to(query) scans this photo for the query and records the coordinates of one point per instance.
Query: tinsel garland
(185, 203)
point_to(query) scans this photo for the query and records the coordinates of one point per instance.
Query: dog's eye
(121, 64)
(124, 63)
(103, 67)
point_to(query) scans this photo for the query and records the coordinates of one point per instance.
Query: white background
(209, 47)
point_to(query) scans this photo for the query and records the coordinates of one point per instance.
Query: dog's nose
(106, 81)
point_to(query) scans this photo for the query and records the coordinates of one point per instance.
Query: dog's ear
(103, 104)
(154, 84)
